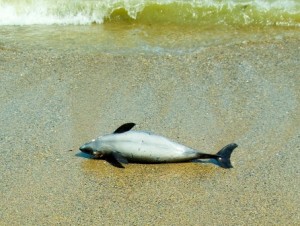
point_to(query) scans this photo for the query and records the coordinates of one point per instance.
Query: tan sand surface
(52, 102)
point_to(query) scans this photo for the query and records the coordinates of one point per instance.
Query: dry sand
(52, 102)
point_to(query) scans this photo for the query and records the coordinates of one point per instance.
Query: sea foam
(232, 12)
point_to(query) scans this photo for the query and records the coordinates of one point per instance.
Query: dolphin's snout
(86, 149)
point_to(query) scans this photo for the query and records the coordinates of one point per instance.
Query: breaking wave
(187, 12)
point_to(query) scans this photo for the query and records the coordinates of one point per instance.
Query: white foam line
(85, 12)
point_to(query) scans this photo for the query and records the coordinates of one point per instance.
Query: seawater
(239, 12)
(130, 26)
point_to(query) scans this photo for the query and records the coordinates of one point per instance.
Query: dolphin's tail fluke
(223, 156)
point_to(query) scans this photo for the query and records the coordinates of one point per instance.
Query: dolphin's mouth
(97, 155)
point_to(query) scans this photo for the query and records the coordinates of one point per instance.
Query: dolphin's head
(92, 148)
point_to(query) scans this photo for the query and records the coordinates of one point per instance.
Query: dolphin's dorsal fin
(125, 127)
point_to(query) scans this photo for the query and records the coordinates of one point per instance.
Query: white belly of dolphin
(147, 147)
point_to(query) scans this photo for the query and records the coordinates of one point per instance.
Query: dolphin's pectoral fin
(116, 159)
(119, 157)
(111, 160)
(125, 127)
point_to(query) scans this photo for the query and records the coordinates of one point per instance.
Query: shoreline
(127, 40)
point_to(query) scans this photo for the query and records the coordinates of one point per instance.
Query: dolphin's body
(125, 145)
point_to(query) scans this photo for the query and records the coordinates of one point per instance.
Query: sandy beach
(54, 101)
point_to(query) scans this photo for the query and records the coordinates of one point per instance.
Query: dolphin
(125, 145)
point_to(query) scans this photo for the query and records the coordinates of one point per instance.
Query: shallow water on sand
(56, 99)
(132, 38)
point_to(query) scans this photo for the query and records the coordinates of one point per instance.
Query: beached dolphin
(126, 145)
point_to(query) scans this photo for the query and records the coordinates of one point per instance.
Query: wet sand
(54, 101)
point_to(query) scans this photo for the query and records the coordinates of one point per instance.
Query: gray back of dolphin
(125, 145)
